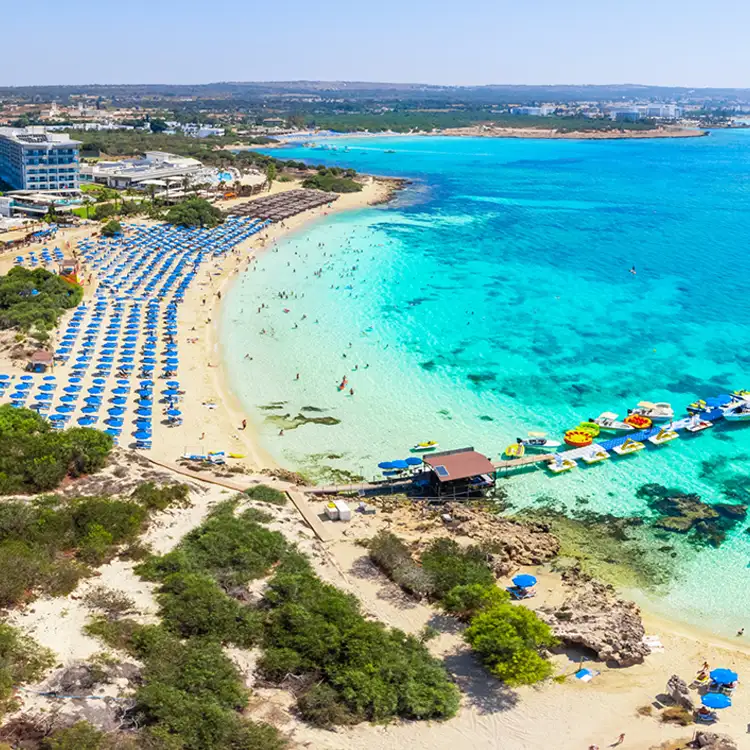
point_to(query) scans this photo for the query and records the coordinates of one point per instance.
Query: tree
(111, 228)
(507, 639)
(194, 212)
(270, 174)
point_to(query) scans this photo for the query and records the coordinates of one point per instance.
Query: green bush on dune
(35, 299)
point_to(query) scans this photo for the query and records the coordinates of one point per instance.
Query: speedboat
(608, 422)
(740, 412)
(425, 447)
(658, 412)
(538, 441)
(628, 447)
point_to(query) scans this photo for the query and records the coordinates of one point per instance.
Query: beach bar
(459, 473)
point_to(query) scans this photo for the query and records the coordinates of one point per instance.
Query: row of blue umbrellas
(400, 464)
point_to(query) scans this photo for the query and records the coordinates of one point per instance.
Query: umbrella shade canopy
(64, 409)
(69, 399)
(56, 417)
(92, 400)
(399, 464)
(26, 377)
(173, 412)
(114, 422)
(120, 391)
(524, 581)
(119, 400)
(716, 700)
(86, 421)
(96, 389)
(173, 383)
(116, 411)
(724, 676)
(112, 431)
(46, 387)
(90, 409)
(144, 412)
(385, 465)
(171, 392)
(142, 435)
(413, 461)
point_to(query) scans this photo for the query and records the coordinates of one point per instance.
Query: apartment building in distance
(34, 159)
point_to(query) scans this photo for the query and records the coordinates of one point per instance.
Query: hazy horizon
(660, 43)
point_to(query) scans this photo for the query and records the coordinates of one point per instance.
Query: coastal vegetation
(333, 180)
(348, 668)
(34, 300)
(111, 228)
(194, 212)
(508, 639)
(22, 660)
(36, 458)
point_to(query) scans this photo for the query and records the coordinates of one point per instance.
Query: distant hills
(363, 90)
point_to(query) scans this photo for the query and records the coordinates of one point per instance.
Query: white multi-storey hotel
(34, 159)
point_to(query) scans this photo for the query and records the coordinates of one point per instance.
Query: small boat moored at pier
(658, 412)
(538, 441)
(608, 422)
(739, 412)
(628, 447)
(429, 445)
(515, 450)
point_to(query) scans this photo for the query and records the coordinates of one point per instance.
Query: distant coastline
(493, 132)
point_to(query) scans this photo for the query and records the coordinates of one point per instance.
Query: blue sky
(669, 42)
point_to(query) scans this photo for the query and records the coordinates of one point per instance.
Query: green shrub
(467, 601)
(113, 603)
(376, 673)
(156, 498)
(111, 228)
(449, 565)
(22, 660)
(194, 212)
(81, 736)
(193, 605)
(34, 458)
(393, 557)
(322, 706)
(332, 184)
(507, 639)
(35, 299)
(117, 634)
(232, 549)
(266, 494)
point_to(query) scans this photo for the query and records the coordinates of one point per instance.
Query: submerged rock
(288, 422)
(593, 616)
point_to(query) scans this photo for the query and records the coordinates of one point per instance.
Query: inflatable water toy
(429, 445)
(596, 455)
(515, 450)
(638, 421)
(578, 438)
(591, 427)
(559, 465)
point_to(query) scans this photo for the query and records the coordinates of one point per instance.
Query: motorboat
(739, 412)
(660, 411)
(665, 435)
(628, 447)
(596, 455)
(425, 447)
(608, 422)
(538, 441)
(558, 465)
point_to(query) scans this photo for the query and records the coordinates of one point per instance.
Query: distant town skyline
(661, 42)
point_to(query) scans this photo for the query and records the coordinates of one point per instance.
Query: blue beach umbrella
(90, 410)
(112, 431)
(524, 581)
(716, 700)
(142, 435)
(98, 381)
(26, 377)
(119, 400)
(174, 413)
(64, 409)
(399, 464)
(114, 421)
(144, 412)
(724, 676)
(56, 417)
(413, 461)
(93, 400)
(121, 391)
(47, 387)
(69, 399)
(86, 421)
(115, 411)
(96, 389)
(49, 377)
(44, 397)
(385, 465)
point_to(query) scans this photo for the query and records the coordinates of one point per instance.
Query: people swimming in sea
(633, 271)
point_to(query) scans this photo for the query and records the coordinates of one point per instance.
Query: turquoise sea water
(494, 297)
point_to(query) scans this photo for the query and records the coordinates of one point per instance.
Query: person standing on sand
(244, 424)
(620, 740)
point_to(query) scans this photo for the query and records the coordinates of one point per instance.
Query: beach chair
(706, 717)
(520, 593)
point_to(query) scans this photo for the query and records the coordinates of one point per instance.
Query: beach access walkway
(297, 497)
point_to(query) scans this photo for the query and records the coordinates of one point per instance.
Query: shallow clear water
(494, 297)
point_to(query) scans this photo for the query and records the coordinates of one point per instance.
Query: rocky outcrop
(593, 616)
(677, 690)
(510, 543)
(713, 741)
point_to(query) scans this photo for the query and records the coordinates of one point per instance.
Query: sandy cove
(202, 376)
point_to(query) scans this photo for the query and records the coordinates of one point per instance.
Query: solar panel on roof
(441, 471)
